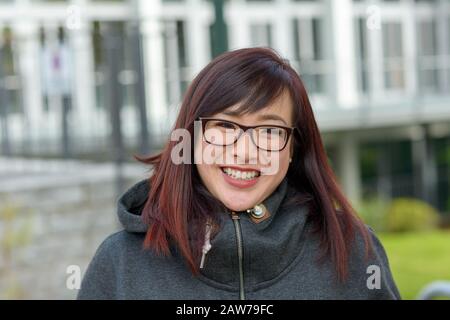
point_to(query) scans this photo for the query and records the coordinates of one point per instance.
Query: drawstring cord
(206, 244)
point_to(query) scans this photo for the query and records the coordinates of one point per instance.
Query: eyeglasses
(221, 132)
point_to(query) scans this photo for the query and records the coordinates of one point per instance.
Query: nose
(244, 150)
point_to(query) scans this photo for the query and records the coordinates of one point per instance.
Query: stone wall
(54, 214)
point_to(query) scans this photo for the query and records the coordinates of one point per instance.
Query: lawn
(417, 259)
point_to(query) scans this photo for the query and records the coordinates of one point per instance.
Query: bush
(406, 214)
(373, 212)
(401, 214)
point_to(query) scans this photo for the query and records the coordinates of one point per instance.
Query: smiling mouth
(240, 174)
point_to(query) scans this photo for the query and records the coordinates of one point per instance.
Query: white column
(425, 167)
(443, 44)
(83, 83)
(239, 32)
(173, 61)
(28, 49)
(173, 71)
(151, 28)
(375, 54)
(52, 122)
(409, 27)
(3, 130)
(200, 15)
(343, 50)
(282, 32)
(305, 32)
(348, 166)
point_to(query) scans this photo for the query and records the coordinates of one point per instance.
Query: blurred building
(378, 74)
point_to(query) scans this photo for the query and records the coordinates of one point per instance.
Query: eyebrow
(269, 116)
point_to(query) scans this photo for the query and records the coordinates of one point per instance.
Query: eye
(224, 124)
(271, 131)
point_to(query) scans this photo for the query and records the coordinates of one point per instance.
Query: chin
(239, 208)
(233, 204)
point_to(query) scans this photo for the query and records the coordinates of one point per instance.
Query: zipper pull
(206, 245)
(235, 216)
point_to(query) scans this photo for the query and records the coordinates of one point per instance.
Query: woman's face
(230, 178)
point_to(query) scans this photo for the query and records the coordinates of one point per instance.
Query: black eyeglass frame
(289, 131)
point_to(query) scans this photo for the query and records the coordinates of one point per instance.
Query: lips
(240, 177)
(240, 173)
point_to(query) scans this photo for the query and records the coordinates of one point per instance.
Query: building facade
(378, 74)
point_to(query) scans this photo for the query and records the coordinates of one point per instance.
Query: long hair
(179, 205)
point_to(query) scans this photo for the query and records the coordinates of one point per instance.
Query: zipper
(206, 244)
(237, 227)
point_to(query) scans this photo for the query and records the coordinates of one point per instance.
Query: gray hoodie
(277, 260)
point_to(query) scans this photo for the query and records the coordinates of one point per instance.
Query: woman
(251, 211)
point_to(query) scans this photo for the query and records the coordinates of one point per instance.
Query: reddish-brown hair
(178, 204)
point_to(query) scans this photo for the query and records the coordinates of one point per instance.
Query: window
(394, 77)
(261, 34)
(309, 52)
(175, 60)
(427, 56)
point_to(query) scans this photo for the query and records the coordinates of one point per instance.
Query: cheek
(284, 163)
(208, 175)
(276, 163)
(209, 154)
(208, 159)
(203, 171)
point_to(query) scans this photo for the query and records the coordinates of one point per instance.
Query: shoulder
(111, 248)
(120, 238)
(366, 246)
(366, 243)
(369, 263)
(117, 243)
(100, 276)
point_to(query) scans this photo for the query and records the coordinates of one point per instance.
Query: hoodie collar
(270, 247)
(132, 201)
(130, 206)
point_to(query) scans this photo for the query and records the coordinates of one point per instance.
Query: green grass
(417, 259)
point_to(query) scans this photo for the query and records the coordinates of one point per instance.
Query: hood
(270, 247)
(130, 206)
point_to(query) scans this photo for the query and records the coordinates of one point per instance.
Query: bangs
(251, 85)
(261, 91)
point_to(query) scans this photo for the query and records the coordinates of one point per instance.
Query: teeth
(241, 175)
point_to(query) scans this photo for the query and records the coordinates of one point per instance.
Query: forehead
(281, 106)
